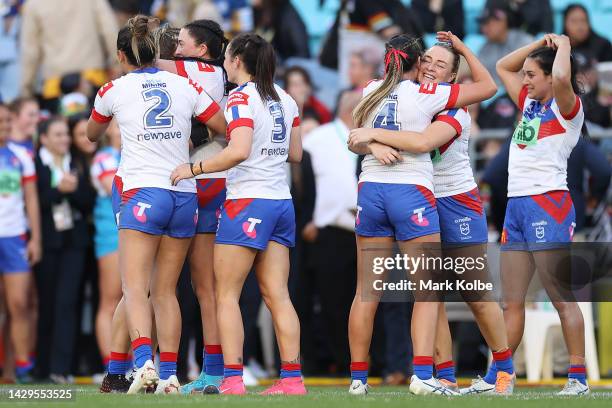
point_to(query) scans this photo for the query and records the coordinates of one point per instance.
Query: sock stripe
(167, 356)
(502, 355)
(446, 364)
(359, 366)
(213, 349)
(22, 364)
(422, 360)
(577, 369)
(291, 367)
(141, 341)
(234, 366)
(119, 356)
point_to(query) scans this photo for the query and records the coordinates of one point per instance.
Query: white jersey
(263, 173)
(153, 109)
(16, 169)
(411, 106)
(451, 161)
(210, 78)
(105, 164)
(541, 145)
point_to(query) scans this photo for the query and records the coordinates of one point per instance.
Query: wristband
(191, 168)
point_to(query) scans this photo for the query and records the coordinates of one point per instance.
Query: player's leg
(443, 352)
(232, 264)
(109, 284)
(16, 289)
(116, 380)
(168, 264)
(272, 270)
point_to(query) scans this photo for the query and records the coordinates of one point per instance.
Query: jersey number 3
(279, 134)
(386, 118)
(155, 117)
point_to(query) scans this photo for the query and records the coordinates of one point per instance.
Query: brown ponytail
(137, 40)
(402, 53)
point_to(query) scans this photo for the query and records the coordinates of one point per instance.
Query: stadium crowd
(55, 55)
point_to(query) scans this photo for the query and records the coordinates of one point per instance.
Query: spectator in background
(124, 10)
(25, 116)
(501, 39)
(81, 145)
(106, 238)
(66, 198)
(364, 66)
(76, 93)
(333, 223)
(234, 16)
(441, 15)
(280, 24)
(583, 39)
(63, 36)
(595, 112)
(533, 16)
(10, 24)
(299, 85)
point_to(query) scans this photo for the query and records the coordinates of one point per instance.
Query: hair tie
(398, 54)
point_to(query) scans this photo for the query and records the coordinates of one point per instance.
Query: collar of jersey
(146, 70)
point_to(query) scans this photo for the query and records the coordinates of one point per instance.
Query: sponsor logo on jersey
(196, 86)
(418, 218)
(429, 88)
(153, 84)
(10, 182)
(105, 88)
(278, 151)
(237, 98)
(249, 227)
(139, 211)
(161, 136)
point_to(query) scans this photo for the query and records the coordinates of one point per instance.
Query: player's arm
(33, 213)
(101, 114)
(217, 123)
(562, 76)
(166, 65)
(295, 142)
(483, 86)
(95, 129)
(509, 67)
(435, 135)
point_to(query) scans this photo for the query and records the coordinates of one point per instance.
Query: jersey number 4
(156, 116)
(386, 118)
(279, 134)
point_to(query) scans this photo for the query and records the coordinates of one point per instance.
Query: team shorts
(537, 222)
(106, 238)
(253, 222)
(403, 211)
(13, 254)
(116, 191)
(159, 211)
(462, 218)
(211, 195)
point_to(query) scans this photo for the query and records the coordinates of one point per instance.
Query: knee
(478, 308)
(18, 308)
(566, 309)
(273, 296)
(513, 307)
(205, 295)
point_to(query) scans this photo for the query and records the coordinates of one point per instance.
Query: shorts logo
(464, 228)
(539, 231)
(117, 218)
(139, 211)
(418, 217)
(249, 227)
(571, 230)
(195, 217)
(357, 221)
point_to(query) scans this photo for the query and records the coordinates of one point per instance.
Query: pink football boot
(287, 386)
(232, 386)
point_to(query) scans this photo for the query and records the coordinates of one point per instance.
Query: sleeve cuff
(451, 121)
(242, 122)
(98, 117)
(28, 179)
(208, 113)
(107, 173)
(296, 122)
(574, 111)
(521, 98)
(452, 98)
(180, 68)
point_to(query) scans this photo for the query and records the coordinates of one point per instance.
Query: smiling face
(26, 119)
(437, 66)
(57, 138)
(5, 124)
(231, 65)
(80, 140)
(539, 85)
(187, 47)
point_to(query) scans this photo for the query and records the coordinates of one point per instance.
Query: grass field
(322, 397)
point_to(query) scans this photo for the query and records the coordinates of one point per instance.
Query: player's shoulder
(243, 94)
(371, 85)
(20, 152)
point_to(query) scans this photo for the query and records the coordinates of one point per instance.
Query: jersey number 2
(155, 117)
(279, 134)
(386, 118)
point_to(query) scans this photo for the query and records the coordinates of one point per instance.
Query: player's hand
(385, 154)
(560, 40)
(182, 172)
(361, 136)
(310, 232)
(34, 251)
(68, 183)
(452, 39)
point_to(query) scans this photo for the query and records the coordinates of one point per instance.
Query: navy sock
(577, 371)
(213, 360)
(423, 367)
(446, 371)
(359, 371)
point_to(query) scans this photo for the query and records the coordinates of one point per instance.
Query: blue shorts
(403, 211)
(106, 238)
(543, 221)
(462, 218)
(116, 192)
(159, 211)
(211, 195)
(253, 222)
(13, 254)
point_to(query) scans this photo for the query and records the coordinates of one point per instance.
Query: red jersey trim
(296, 122)
(107, 173)
(521, 98)
(208, 113)
(98, 117)
(452, 98)
(27, 179)
(180, 68)
(246, 122)
(574, 111)
(451, 121)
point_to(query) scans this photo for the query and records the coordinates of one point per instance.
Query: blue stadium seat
(318, 20)
(475, 42)
(605, 5)
(601, 23)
